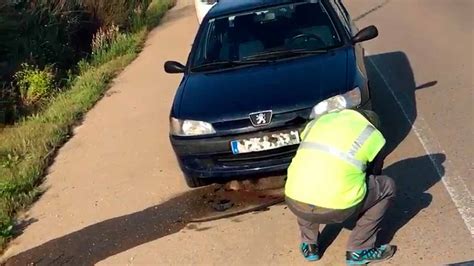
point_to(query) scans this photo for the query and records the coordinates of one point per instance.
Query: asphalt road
(424, 58)
(115, 194)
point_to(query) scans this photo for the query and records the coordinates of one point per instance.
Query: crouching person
(334, 176)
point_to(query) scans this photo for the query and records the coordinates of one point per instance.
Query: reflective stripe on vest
(363, 137)
(345, 156)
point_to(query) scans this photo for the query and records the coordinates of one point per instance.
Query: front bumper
(213, 158)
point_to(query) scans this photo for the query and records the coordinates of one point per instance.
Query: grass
(124, 44)
(27, 148)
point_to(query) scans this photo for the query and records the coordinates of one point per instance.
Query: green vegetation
(27, 147)
(34, 84)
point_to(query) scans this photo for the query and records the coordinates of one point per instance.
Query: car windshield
(272, 33)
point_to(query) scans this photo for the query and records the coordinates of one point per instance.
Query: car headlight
(339, 102)
(190, 127)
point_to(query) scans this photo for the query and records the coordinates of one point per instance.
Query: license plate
(267, 142)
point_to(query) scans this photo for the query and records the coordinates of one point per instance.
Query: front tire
(194, 182)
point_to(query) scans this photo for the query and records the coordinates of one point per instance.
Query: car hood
(283, 86)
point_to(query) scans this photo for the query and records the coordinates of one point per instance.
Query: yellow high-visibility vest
(329, 167)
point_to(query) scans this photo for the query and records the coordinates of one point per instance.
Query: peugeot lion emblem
(262, 118)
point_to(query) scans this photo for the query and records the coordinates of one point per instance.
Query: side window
(342, 14)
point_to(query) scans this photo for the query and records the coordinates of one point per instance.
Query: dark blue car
(257, 72)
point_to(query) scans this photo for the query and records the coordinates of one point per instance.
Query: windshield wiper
(227, 64)
(285, 53)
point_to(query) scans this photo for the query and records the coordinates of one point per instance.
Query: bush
(59, 32)
(34, 84)
(104, 37)
(123, 13)
(44, 32)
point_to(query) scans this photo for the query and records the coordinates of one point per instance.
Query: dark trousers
(369, 214)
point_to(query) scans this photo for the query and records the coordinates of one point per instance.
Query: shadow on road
(22, 225)
(413, 176)
(393, 84)
(99, 241)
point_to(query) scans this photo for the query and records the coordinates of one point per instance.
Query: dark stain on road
(107, 238)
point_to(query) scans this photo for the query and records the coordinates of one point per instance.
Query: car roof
(225, 7)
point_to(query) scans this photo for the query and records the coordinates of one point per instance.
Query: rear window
(293, 26)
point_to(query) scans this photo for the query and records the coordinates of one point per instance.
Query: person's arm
(375, 167)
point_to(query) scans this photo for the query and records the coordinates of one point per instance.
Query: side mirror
(366, 34)
(174, 67)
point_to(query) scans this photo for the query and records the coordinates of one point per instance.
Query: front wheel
(194, 182)
(368, 106)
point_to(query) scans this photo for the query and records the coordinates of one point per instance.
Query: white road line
(455, 185)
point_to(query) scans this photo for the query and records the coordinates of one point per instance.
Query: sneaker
(310, 251)
(365, 256)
